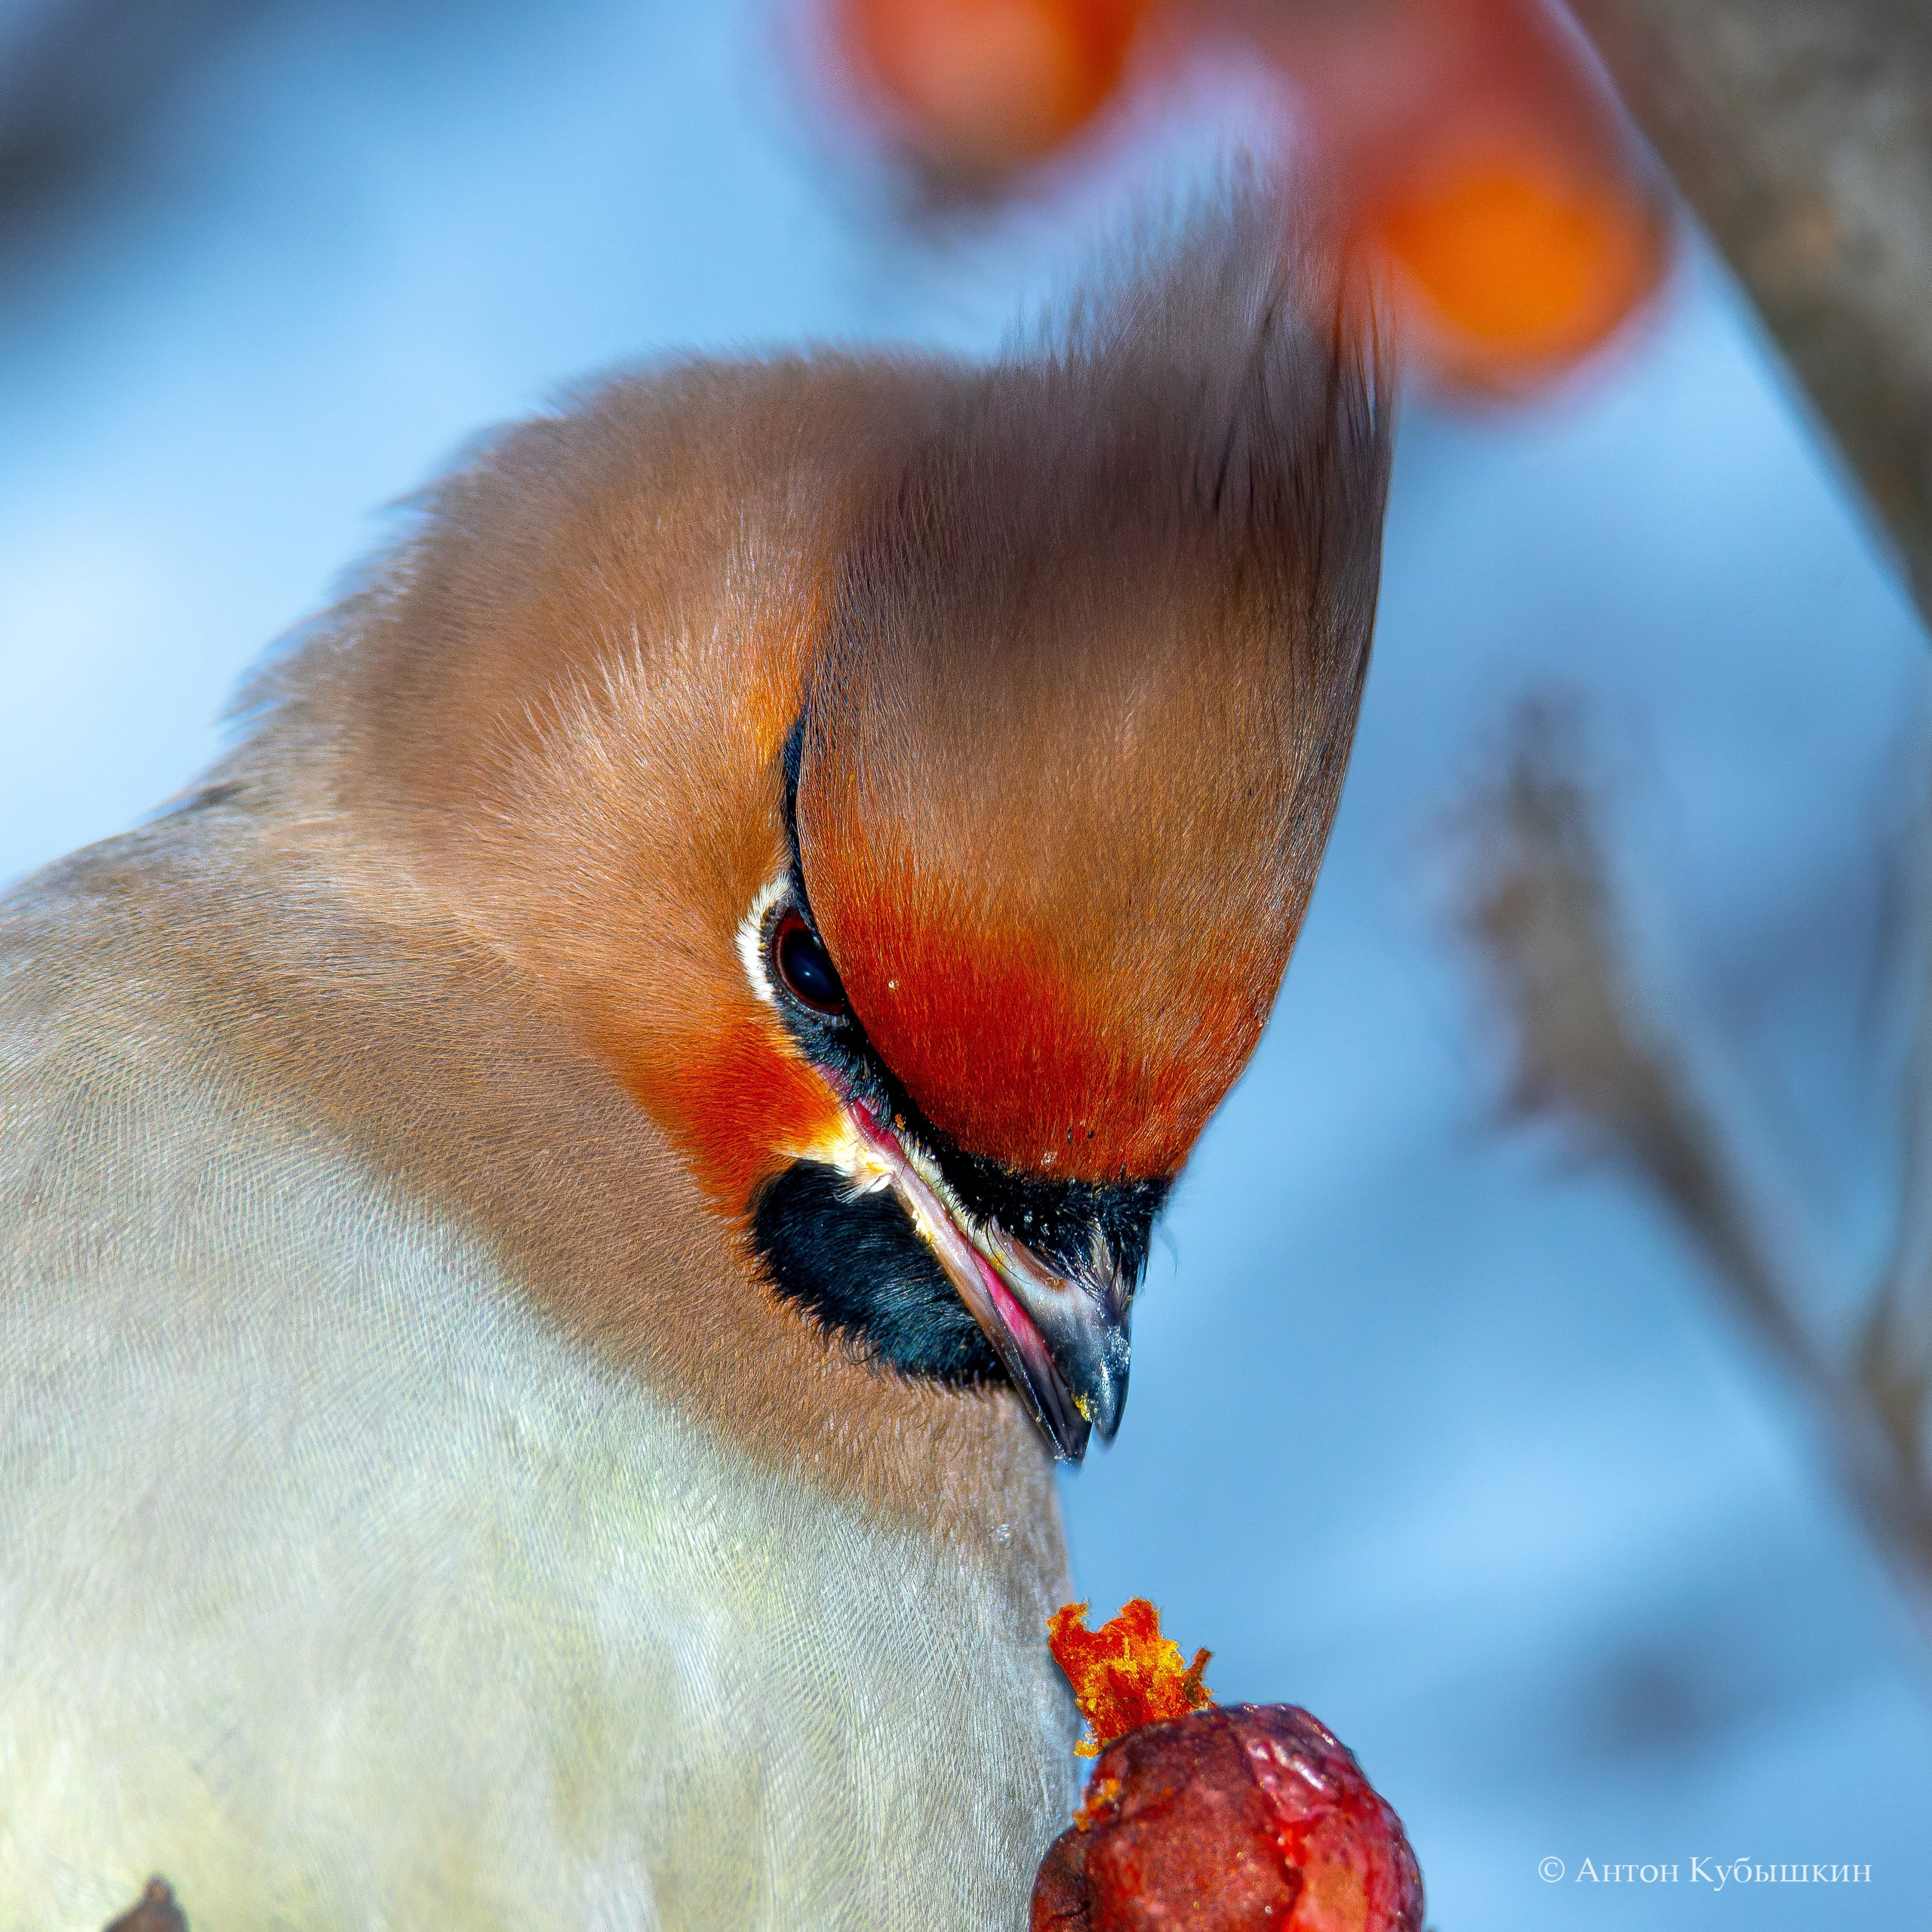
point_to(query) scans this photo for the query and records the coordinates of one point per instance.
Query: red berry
(1248, 1817)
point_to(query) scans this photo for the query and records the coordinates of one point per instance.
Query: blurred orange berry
(1474, 143)
(1518, 261)
(1471, 143)
(984, 86)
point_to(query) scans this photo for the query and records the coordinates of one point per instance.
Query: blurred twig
(77, 79)
(1592, 1054)
(83, 82)
(1801, 131)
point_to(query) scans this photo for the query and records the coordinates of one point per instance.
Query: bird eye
(806, 967)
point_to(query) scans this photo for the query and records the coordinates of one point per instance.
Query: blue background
(1435, 1428)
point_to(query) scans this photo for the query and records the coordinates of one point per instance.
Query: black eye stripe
(803, 967)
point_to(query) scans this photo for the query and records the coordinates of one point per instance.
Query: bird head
(1065, 758)
(911, 776)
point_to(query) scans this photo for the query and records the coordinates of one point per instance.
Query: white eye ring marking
(751, 937)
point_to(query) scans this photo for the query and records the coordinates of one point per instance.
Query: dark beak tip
(1108, 1404)
(1069, 1363)
(1076, 1435)
(1095, 1402)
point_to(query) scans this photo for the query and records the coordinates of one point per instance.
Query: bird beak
(1063, 1340)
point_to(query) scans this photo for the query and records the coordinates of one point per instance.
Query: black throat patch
(859, 1268)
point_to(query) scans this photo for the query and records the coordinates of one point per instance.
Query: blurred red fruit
(1477, 150)
(1471, 144)
(984, 86)
(1230, 1820)
(1516, 263)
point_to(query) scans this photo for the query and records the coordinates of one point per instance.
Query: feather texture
(416, 1504)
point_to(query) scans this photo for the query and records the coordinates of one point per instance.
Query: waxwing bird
(559, 1207)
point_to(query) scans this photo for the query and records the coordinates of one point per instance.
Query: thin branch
(1592, 1053)
(1894, 1358)
(1801, 132)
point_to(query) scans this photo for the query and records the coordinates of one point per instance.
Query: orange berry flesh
(1125, 1673)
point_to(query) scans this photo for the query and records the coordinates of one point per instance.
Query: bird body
(341, 1585)
(517, 1409)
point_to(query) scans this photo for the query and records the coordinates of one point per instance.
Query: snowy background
(1432, 1429)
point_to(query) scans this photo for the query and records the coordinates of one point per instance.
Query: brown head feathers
(1075, 640)
(1075, 734)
